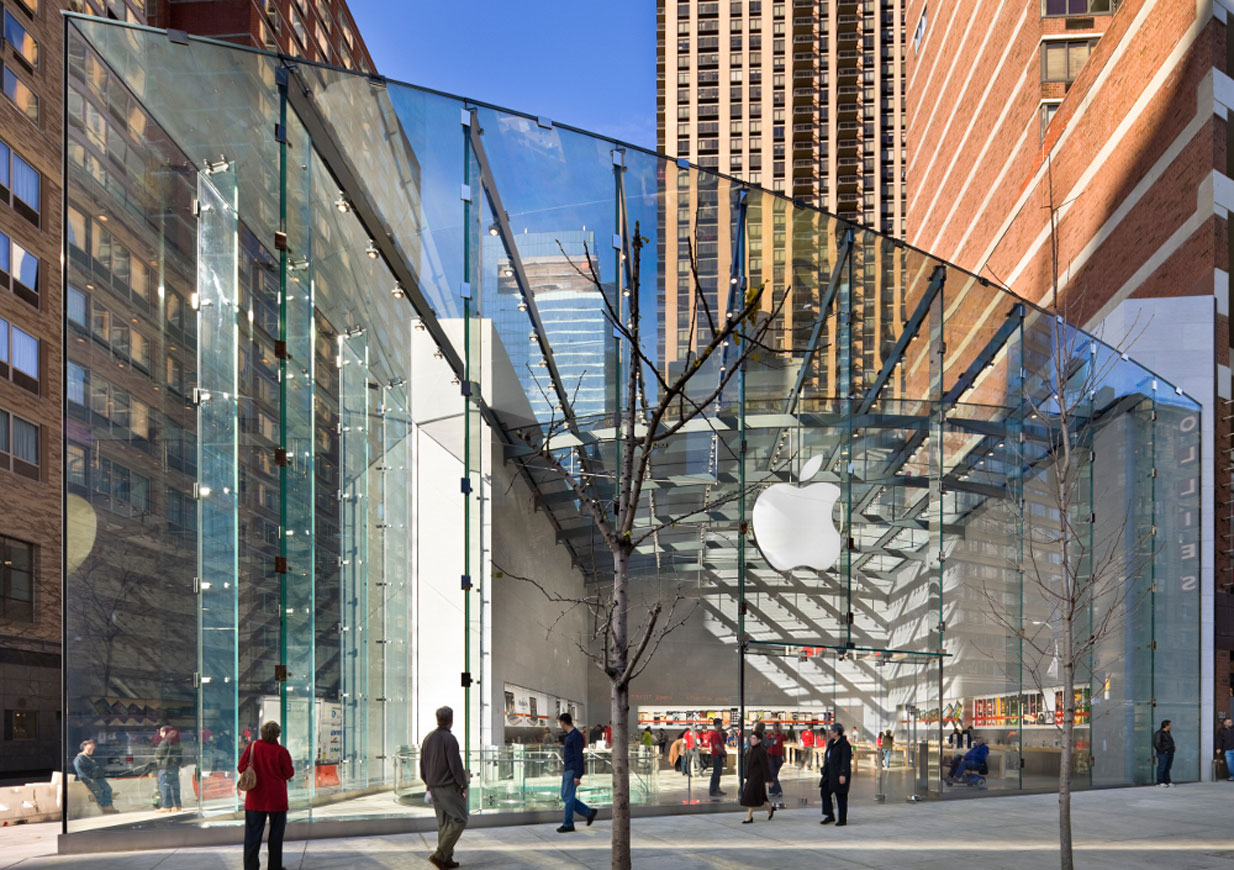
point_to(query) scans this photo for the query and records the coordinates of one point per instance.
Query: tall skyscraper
(1076, 152)
(107, 142)
(804, 98)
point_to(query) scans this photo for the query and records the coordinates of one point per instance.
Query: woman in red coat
(272, 764)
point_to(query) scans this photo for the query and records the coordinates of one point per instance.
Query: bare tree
(1079, 574)
(648, 420)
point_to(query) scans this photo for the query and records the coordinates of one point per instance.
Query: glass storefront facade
(310, 317)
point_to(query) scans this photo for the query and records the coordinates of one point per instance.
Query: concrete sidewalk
(1189, 827)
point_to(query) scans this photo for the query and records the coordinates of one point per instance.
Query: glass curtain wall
(319, 326)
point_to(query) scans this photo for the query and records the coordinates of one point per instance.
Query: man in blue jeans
(572, 774)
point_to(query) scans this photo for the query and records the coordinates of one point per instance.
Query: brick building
(1108, 121)
(32, 310)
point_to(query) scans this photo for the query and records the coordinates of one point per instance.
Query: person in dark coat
(758, 779)
(90, 774)
(272, 764)
(836, 775)
(1163, 746)
(167, 758)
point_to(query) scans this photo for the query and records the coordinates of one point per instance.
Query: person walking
(889, 743)
(719, 755)
(758, 778)
(691, 747)
(573, 769)
(1225, 744)
(648, 739)
(1163, 746)
(835, 776)
(676, 755)
(90, 774)
(168, 756)
(441, 769)
(268, 799)
(775, 755)
(807, 749)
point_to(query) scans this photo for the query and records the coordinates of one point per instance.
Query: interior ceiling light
(371, 250)
(398, 290)
(342, 204)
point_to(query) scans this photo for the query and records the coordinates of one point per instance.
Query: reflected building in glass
(317, 330)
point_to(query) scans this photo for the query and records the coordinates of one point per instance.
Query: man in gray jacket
(441, 768)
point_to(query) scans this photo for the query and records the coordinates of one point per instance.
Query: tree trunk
(619, 710)
(1065, 762)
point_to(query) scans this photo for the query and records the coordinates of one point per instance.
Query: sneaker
(718, 793)
(1231, 779)
(566, 829)
(1163, 785)
(591, 817)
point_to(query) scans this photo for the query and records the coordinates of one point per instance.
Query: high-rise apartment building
(105, 136)
(1076, 151)
(803, 97)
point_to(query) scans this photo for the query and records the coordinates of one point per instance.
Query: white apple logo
(793, 525)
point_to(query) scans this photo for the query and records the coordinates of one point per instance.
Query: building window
(21, 94)
(1062, 61)
(920, 32)
(20, 184)
(16, 580)
(1052, 8)
(21, 725)
(19, 356)
(1048, 111)
(77, 468)
(24, 274)
(23, 43)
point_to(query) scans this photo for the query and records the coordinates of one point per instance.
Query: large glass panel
(218, 490)
(297, 462)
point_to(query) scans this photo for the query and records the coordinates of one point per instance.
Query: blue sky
(587, 63)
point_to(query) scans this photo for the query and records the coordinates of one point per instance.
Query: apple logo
(793, 525)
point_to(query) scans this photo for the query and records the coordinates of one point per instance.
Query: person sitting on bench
(974, 759)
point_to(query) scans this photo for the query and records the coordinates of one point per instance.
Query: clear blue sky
(587, 63)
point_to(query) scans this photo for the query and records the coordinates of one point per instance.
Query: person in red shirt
(691, 747)
(272, 764)
(608, 735)
(715, 745)
(775, 754)
(807, 748)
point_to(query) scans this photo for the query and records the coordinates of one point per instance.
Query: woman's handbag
(248, 779)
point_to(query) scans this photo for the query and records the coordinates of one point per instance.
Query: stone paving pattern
(1188, 827)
